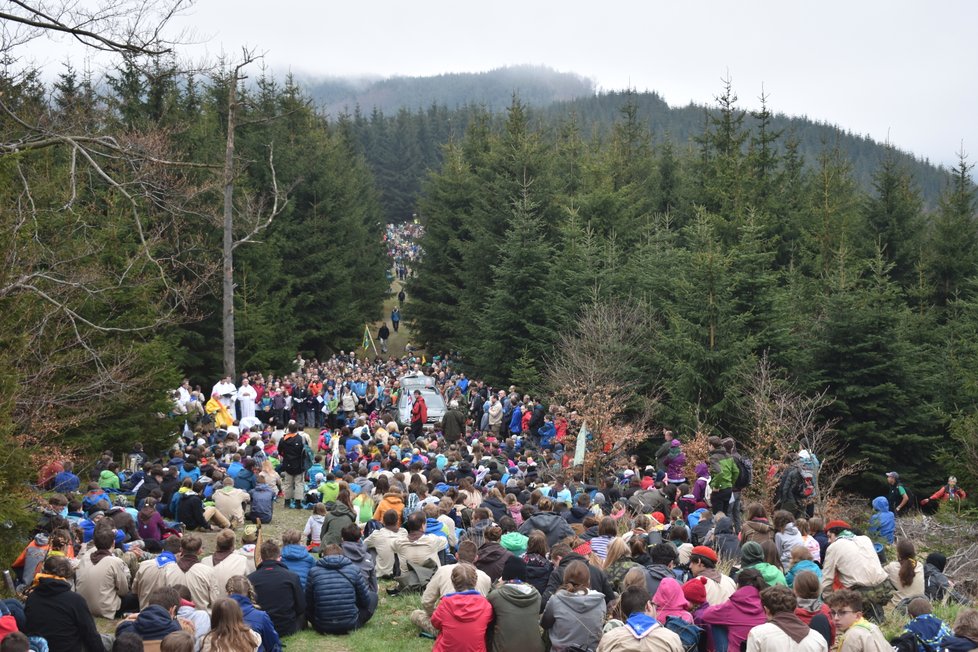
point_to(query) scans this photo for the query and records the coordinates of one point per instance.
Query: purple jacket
(675, 471)
(741, 613)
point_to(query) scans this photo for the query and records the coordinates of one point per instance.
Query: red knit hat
(705, 551)
(695, 590)
(837, 523)
(659, 516)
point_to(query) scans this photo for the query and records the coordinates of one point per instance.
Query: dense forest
(113, 221)
(403, 123)
(736, 248)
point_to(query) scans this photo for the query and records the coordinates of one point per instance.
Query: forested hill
(402, 122)
(535, 85)
(682, 125)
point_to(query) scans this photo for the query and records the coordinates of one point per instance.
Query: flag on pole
(366, 337)
(581, 444)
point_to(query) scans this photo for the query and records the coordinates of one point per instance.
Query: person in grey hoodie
(262, 497)
(786, 536)
(575, 614)
(664, 557)
(355, 551)
(552, 525)
(515, 605)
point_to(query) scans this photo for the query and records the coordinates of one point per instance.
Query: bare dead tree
(782, 421)
(587, 375)
(258, 220)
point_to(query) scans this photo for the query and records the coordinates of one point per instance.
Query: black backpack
(746, 468)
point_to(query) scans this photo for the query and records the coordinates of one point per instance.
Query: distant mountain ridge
(536, 86)
(555, 96)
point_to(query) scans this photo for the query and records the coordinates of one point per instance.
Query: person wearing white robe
(246, 400)
(226, 387)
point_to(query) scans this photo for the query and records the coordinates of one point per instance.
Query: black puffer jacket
(335, 595)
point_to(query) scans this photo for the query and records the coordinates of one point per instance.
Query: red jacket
(419, 411)
(463, 619)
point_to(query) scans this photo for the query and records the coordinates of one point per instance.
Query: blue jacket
(152, 624)
(245, 480)
(930, 631)
(66, 482)
(516, 420)
(260, 622)
(882, 524)
(298, 560)
(803, 565)
(261, 501)
(335, 594)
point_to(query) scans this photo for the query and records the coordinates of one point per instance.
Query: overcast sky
(896, 69)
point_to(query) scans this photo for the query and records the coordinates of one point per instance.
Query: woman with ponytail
(906, 573)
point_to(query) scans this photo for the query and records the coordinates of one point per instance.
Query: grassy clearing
(390, 628)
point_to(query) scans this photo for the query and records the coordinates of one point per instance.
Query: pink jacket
(670, 601)
(739, 615)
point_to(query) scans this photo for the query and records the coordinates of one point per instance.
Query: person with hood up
(149, 524)
(784, 631)
(701, 487)
(356, 552)
(926, 629)
(338, 597)
(515, 609)
(58, 614)
(108, 478)
(752, 557)
(241, 591)
(741, 613)
(463, 617)
(786, 536)
(156, 620)
(279, 590)
(675, 463)
(965, 637)
(756, 526)
(641, 631)
(725, 539)
(813, 612)
(575, 614)
(295, 556)
(339, 514)
(936, 583)
(554, 527)
(882, 524)
(669, 600)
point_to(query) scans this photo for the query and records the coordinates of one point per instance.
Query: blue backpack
(689, 634)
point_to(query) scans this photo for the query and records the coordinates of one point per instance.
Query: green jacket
(770, 573)
(723, 469)
(108, 480)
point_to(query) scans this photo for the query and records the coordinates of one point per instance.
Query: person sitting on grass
(965, 636)
(338, 597)
(855, 633)
(784, 630)
(463, 617)
(925, 630)
(229, 632)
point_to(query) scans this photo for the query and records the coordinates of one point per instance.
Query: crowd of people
(481, 512)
